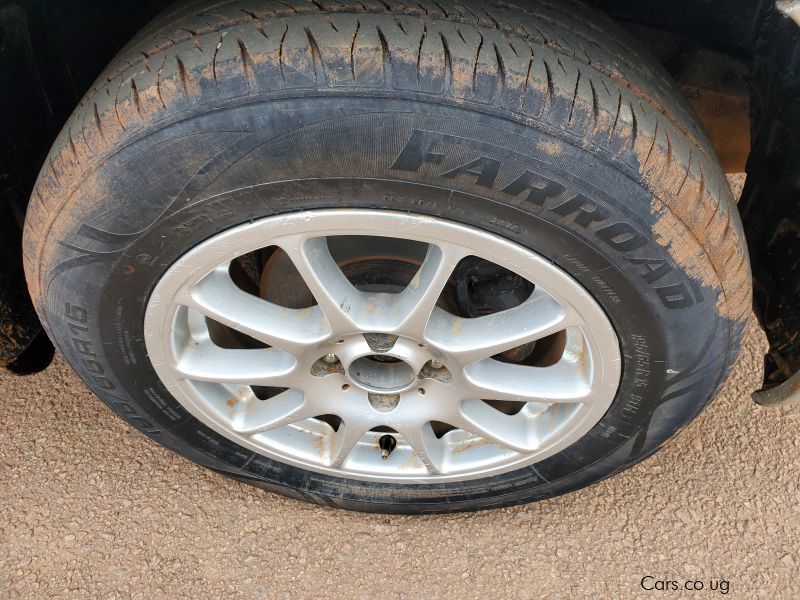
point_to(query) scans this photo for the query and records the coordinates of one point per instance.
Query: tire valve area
(386, 443)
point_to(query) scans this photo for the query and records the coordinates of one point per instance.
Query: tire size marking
(77, 319)
(78, 325)
(641, 373)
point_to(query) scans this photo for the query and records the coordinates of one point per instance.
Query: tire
(538, 123)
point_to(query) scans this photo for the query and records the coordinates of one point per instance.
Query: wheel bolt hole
(345, 387)
(435, 369)
(328, 364)
(421, 391)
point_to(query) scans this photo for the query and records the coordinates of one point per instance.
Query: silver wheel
(381, 385)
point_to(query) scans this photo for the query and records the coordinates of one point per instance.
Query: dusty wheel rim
(442, 369)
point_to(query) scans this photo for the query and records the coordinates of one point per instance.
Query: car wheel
(439, 258)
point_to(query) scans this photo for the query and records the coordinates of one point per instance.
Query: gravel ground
(91, 508)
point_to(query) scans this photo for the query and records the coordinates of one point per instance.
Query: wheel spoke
(412, 308)
(564, 382)
(430, 450)
(218, 297)
(252, 416)
(514, 432)
(344, 440)
(470, 340)
(207, 362)
(337, 298)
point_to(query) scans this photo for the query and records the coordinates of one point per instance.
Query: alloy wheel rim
(358, 366)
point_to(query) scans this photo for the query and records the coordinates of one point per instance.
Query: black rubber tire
(569, 141)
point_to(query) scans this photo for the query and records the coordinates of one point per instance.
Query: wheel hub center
(382, 374)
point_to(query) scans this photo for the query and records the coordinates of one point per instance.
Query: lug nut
(436, 364)
(330, 358)
(387, 443)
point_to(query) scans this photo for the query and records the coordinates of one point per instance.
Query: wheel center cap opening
(382, 374)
